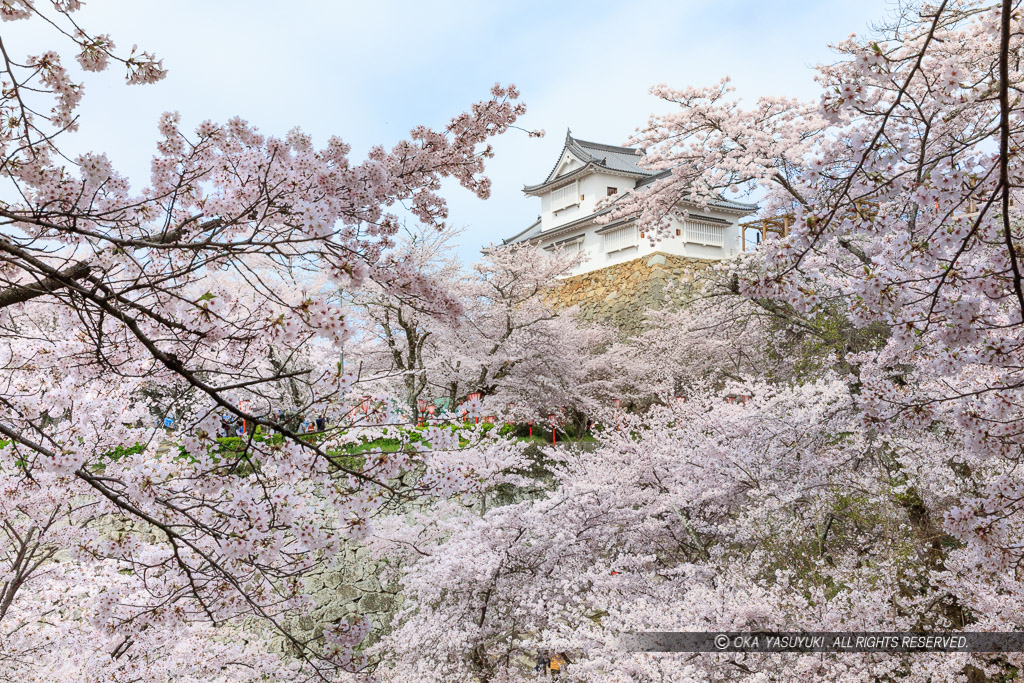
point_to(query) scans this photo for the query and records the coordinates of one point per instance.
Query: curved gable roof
(596, 155)
(625, 159)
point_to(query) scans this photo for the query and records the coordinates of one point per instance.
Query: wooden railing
(777, 224)
(780, 225)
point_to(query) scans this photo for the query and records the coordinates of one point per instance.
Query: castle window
(620, 238)
(705, 232)
(564, 197)
(612, 190)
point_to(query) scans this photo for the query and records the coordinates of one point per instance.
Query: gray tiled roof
(610, 157)
(733, 206)
(624, 159)
(524, 235)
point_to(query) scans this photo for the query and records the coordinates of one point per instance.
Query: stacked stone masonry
(623, 294)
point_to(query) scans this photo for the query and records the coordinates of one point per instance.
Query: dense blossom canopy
(826, 437)
(187, 300)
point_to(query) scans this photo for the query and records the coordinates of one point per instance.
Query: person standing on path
(557, 663)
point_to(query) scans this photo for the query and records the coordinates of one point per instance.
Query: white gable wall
(567, 163)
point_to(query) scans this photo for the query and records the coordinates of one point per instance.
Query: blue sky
(370, 71)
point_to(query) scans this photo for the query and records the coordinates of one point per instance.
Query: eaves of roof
(569, 227)
(722, 204)
(534, 190)
(586, 169)
(524, 235)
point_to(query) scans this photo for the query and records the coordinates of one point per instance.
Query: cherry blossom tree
(902, 184)
(397, 325)
(510, 333)
(507, 340)
(107, 292)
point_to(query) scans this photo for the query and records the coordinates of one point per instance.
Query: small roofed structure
(587, 172)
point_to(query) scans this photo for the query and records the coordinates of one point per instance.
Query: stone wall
(623, 293)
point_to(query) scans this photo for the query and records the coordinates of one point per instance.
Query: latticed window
(703, 232)
(573, 248)
(620, 238)
(565, 196)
